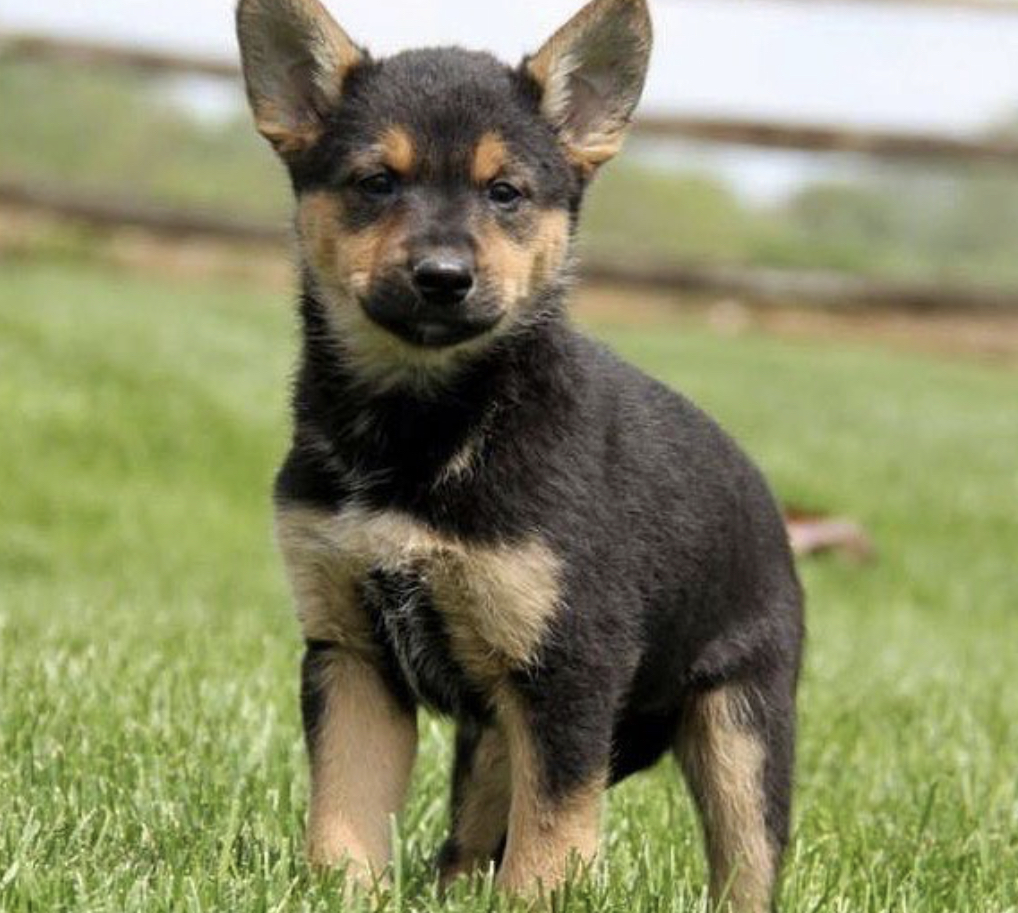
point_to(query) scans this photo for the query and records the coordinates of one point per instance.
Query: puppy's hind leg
(735, 746)
(554, 815)
(481, 795)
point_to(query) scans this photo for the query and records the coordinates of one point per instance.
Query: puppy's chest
(413, 637)
(449, 616)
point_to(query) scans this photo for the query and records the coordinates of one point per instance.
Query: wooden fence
(731, 131)
(103, 209)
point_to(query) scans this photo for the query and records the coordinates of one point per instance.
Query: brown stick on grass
(811, 533)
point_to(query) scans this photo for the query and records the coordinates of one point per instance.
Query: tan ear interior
(295, 58)
(591, 72)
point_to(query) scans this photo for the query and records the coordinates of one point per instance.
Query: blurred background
(806, 153)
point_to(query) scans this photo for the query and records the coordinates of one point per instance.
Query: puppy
(486, 513)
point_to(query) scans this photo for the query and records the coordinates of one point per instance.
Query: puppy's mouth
(402, 312)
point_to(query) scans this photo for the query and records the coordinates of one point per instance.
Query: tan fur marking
(551, 244)
(545, 836)
(323, 582)
(496, 600)
(466, 459)
(520, 269)
(550, 67)
(461, 465)
(594, 151)
(398, 151)
(286, 137)
(318, 231)
(490, 156)
(344, 260)
(360, 767)
(484, 812)
(723, 761)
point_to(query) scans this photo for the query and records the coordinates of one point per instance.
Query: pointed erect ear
(591, 74)
(294, 58)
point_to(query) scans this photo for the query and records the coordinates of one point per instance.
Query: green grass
(150, 752)
(103, 128)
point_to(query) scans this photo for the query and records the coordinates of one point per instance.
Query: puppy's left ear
(591, 74)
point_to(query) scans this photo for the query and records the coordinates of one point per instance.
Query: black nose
(443, 280)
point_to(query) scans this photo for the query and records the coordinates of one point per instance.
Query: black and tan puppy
(483, 511)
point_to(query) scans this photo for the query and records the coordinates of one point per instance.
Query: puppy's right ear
(591, 74)
(295, 58)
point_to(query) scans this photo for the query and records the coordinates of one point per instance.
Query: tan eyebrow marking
(397, 148)
(490, 156)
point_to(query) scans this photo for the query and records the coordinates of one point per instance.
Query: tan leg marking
(723, 762)
(496, 601)
(483, 814)
(362, 757)
(544, 834)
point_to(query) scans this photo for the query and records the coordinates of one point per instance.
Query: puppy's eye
(504, 194)
(380, 184)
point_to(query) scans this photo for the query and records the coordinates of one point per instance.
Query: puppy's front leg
(551, 823)
(361, 746)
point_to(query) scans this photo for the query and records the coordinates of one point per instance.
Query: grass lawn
(150, 751)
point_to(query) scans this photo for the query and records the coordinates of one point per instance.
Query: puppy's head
(437, 189)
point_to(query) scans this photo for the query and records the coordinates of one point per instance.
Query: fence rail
(823, 288)
(815, 287)
(733, 131)
(16, 46)
(113, 210)
(831, 138)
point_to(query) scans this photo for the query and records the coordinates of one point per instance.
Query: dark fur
(678, 568)
(677, 575)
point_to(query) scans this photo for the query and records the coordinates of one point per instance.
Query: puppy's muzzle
(436, 302)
